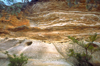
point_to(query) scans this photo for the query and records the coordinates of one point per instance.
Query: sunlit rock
(50, 24)
(39, 53)
(13, 21)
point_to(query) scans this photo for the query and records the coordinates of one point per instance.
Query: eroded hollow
(29, 43)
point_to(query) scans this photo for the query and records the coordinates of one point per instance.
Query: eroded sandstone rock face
(38, 52)
(12, 21)
(51, 23)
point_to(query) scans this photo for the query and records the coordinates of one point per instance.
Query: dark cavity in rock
(29, 43)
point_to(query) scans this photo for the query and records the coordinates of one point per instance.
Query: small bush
(17, 60)
(84, 57)
(14, 9)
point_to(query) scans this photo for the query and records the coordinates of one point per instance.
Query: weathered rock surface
(50, 24)
(63, 49)
(38, 52)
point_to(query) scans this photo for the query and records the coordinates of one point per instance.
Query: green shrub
(84, 57)
(14, 9)
(89, 5)
(17, 60)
